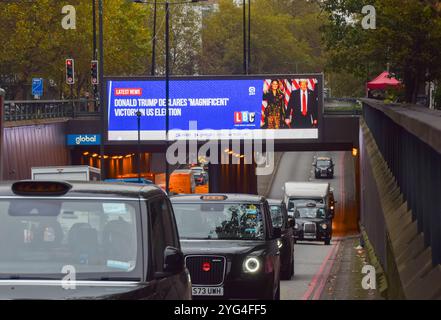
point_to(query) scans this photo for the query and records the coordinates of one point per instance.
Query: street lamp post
(101, 77)
(138, 115)
(152, 71)
(94, 48)
(167, 92)
(249, 37)
(167, 72)
(245, 69)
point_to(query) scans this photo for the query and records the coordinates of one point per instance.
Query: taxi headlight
(324, 226)
(279, 243)
(251, 265)
(296, 226)
(332, 207)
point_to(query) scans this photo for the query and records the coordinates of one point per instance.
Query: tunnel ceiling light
(85, 153)
(230, 152)
(227, 150)
(95, 155)
(105, 157)
(128, 156)
(242, 156)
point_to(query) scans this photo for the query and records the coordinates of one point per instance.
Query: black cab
(323, 167)
(313, 222)
(230, 246)
(82, 240)
(280, 219)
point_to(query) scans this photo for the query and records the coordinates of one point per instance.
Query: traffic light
(94, 72)
(70, 71)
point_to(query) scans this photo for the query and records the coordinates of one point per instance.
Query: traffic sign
(37, 87)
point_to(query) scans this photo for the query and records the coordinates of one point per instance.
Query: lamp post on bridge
(167, 69)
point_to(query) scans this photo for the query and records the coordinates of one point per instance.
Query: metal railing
(416, 167)
(48, 109)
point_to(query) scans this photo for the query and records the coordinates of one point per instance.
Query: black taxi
(230, 246)
(313, 222)
(323, 167)
(280, 219)
(64, 240)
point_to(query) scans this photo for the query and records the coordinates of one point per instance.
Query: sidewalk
(344, 281)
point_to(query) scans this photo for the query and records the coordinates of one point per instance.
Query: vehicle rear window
(42, 236)
(211, 220)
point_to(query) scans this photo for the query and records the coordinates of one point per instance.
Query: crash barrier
(400, 205)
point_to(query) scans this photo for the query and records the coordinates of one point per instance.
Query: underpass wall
(30, 146)
(392, 230)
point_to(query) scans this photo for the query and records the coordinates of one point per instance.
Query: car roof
(128, 180)
(94, 189)
(306, 189)
(182, 171)
(324, 158)
(231, 197)
(274, 202)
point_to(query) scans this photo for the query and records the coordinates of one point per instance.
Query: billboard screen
(202, 109)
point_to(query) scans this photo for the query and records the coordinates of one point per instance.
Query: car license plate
(309, 236)
(324, 174)
(208, 291)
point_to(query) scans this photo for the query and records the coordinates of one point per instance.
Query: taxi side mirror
(277, 233)
(174, 262)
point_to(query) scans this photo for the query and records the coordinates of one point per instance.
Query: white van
(67, 173)
(302, 193)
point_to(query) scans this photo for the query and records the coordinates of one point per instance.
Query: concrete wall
(392, 231)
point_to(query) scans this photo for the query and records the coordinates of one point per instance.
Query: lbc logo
(244, 117)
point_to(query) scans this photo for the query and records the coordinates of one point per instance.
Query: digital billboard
(202, 109)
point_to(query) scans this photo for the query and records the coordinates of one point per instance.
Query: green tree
(407, 36)
(285, 38)
(34, 44)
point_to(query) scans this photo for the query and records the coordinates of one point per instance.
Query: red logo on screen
(206, 266)
(128, 92)
(238, 117)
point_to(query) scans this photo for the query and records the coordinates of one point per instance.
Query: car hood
(323, 167)
(54, 290)
(221, 247)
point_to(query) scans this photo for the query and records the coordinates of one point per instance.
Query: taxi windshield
(294, 203)
(45, 237)
(219, 221)
(323, 163)
(313, 212)
(276, 216)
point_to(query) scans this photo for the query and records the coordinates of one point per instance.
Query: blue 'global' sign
(83, 139)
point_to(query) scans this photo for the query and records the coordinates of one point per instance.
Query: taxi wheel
(327, 242)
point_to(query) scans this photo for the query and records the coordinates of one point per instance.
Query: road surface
(314, 260)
